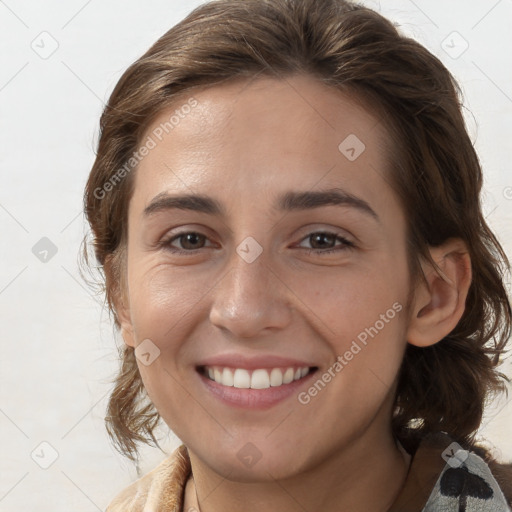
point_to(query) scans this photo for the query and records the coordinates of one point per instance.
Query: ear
(124, 318)
(115, 282)
(437, 308)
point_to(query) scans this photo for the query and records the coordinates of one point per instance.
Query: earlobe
(126, 327)
(439, 305)
(115, 274)
(128, 335)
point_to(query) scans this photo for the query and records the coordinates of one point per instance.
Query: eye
(324, 242)
(190, 241)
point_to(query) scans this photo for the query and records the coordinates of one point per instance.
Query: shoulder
(503, 475)
(160, 489)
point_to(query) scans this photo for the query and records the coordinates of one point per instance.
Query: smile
(261, 378)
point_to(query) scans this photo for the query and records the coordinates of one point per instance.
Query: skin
(244, 144)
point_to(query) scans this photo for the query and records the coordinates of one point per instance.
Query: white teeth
(276, 377)
(227, 377)
(288, 376)
(242, 379)
(259, 379)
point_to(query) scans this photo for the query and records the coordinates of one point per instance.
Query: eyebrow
(288, 202)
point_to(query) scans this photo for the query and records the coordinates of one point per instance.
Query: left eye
(326, 242)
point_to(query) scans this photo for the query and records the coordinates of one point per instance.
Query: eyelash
(346, 244)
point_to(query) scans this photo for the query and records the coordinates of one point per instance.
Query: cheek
(164, 304)
(162, 300)
(363, 321)
(348, 301)
(362, 318)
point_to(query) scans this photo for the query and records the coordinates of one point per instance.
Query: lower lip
(254, 398)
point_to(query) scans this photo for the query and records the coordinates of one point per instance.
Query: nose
(250, 299)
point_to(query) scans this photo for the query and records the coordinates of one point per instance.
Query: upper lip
(254, 362)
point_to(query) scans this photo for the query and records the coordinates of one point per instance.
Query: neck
(340, 482)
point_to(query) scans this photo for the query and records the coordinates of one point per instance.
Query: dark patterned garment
(445, 478)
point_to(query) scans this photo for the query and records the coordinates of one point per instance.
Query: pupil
(191, 239)
(321, 237)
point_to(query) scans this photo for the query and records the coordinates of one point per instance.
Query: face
(267, 275)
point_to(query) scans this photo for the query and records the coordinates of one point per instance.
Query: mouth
(253, 382)
(259, 378)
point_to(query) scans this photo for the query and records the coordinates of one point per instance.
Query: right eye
(190, 241)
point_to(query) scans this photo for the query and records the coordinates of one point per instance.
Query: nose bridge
(244, 284)
(250, 269)
(249, 298)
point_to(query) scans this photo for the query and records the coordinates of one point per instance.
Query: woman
(285, 204)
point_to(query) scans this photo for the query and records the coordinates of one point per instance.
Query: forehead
(263, 134)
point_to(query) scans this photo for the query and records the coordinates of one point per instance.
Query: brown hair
(435, 172)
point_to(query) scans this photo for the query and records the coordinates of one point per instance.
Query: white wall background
(57, 346)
